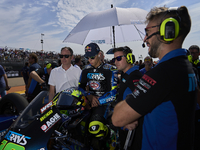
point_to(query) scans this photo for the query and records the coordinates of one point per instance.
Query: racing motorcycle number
(5, 145)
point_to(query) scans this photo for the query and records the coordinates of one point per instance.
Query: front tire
(12, 104)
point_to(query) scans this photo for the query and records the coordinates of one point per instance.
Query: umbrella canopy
(98, 27)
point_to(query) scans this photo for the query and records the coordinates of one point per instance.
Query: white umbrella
(99, 27)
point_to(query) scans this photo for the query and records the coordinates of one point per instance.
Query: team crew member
(40, 76)
(101, 80)
(148, 64)
(166, 95)
(124, 59)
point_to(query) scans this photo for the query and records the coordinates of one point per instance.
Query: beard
(154, 49)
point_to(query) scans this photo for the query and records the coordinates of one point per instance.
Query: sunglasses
(118, 58)
(92, 57)
(146, 29)
(66, 56)
(147, 60)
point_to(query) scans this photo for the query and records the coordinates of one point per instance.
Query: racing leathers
(102, 83)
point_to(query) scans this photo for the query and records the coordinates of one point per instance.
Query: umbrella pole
(113, 35)
(113, 27)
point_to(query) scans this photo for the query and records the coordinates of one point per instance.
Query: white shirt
(63, 79)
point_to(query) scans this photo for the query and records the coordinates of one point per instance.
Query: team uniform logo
(17, 138)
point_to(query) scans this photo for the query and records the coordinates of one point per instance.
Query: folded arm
(123, 114)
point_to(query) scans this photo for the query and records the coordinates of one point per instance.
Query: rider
(98, 82)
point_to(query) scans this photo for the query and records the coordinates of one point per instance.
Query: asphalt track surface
(17, 85)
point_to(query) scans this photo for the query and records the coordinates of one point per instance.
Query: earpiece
(169, 29)
(130, 58)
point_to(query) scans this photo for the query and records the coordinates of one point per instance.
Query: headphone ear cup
(169, 29)
(129, 58)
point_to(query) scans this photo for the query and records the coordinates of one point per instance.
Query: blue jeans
(2, 92)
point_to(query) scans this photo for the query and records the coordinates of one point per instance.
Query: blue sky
(23, 21)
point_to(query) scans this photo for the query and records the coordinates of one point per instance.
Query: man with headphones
(101, 82)
(166, 95)
(124, 59)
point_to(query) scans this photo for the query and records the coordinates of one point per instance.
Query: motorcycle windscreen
(66, 101)
(34, 127)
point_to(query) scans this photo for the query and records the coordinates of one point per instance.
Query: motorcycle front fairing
(34, 127)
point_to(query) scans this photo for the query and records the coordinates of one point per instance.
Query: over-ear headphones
(169, 28)
(130, 58)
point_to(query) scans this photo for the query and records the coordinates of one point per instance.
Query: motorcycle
(61, 124)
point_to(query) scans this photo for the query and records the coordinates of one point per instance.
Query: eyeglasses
(92, 57)
(66, 56)
(118, 58)
(146, 29)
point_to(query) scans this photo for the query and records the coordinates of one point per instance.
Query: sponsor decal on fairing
(17, 138)
(51, 122)
(47, 106)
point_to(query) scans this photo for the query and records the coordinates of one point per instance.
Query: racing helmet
(70, 99)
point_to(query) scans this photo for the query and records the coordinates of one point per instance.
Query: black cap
(91, 49)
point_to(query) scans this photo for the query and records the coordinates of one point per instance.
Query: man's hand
(93, 100)
(131, 126)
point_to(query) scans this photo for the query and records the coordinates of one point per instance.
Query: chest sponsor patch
(94, 85)
(149, 79)
(95, 76)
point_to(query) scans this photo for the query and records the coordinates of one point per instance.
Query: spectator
(166, 95)
(59, 62)
(78, 63)
(101, 53)
(194, 58)
(3, 82)
(65, 76)
(130, 76)
(141, 64)
(25, 75)
(148, 62)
